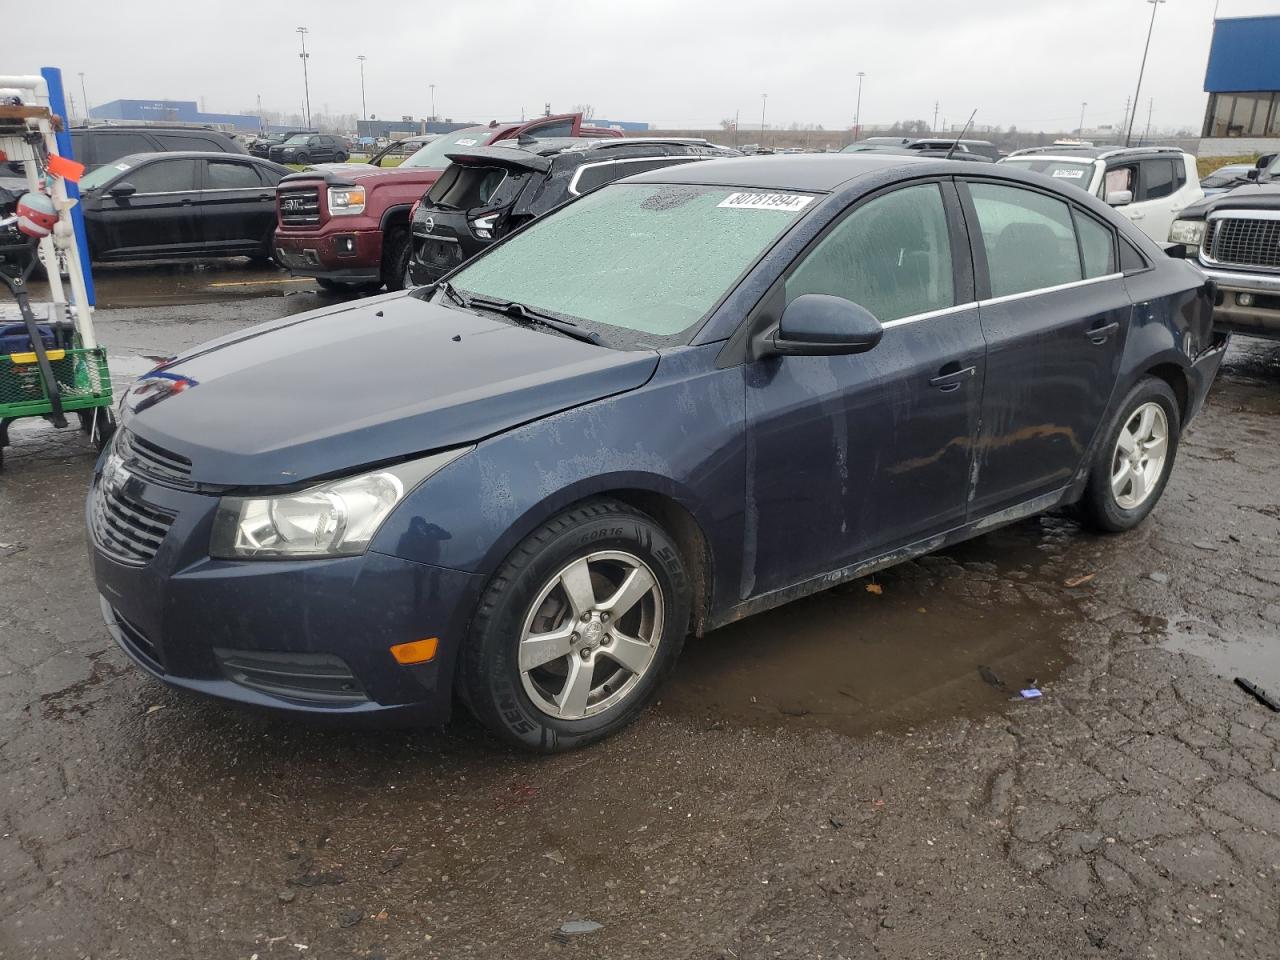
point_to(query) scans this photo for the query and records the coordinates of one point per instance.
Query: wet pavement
(853, 775)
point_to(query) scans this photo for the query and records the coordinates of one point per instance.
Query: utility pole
(262, 123)
(433, 100)
(1124, 121)
(857, 113)
(1080, 130)
(86, 97)
(1146, 137)
(1155, 5)
(364, 107)
(306, 82)
(764, 101)
(936, 105)
(736, 114)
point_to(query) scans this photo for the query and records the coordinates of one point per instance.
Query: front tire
(395, 260)
(1132, 463)
(577, 629)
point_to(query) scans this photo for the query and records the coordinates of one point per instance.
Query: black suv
(487, 192)
(261, 146)
(96, 146)
(309, 148)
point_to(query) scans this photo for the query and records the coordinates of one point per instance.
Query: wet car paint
(729, 426)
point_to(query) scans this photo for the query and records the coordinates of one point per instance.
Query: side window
(1097, 244)
(229, 175)
(113, 146)
(1029, 239)
(172, 141)
(1121, 178)
(892, 255)
(594, 175)
(1131, 261)
(165, 176)
(269, 177)
(1157, 179)
(1179, 174)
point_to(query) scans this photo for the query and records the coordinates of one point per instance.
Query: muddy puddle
(172, 283)
(1255, 657)
(855, 660)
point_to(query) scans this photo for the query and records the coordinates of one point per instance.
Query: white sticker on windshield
(788, 202)
(122, 166)
(467, 142)
(1068, 174)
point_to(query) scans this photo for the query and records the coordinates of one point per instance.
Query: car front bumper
(1247, 303)
(305, 636)
(332, 253)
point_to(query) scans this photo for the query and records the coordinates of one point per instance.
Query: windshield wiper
(528, 316)
(452, 293)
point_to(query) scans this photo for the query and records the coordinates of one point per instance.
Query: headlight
(346, 200)
(483, 226)
(1190, 232)
(334, 519)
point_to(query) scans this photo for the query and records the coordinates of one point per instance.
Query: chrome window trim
(577, 175)
(929, 315)
(1007, 298)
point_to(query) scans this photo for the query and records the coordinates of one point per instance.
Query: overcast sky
(685, 63)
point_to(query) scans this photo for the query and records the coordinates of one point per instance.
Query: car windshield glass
(1274, 169)
(1221, 178)
(299, 138)
(1078, 172)
(433, 154)
(652, 259)
(98, 177)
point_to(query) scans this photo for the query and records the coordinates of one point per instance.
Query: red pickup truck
(347, 225)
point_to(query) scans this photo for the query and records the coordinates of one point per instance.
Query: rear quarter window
(182, 141)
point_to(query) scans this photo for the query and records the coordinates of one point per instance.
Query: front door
(1055, 317)
(158, 217)
(849, 457)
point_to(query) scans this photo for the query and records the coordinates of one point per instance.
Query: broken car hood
(389, 377)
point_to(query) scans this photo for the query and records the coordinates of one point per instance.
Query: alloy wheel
(591, 635)
(1140, 453)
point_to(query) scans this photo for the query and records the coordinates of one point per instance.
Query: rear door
(852, 456)
(1055, 313)
(236, 204)
(158, 217)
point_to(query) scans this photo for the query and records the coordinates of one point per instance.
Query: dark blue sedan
(684, 398)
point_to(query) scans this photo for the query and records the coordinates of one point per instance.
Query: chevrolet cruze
(684, 398)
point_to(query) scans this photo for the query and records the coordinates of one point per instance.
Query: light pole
(433, 100)
(1080, 130)
(764, 101)
(857, 113)
(364, 108)
(1155, 5)
(306, 83)
(85, 96)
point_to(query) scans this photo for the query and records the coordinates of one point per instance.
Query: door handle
(266, 196)
(186, 201)
(1137, 215)
(952, 376)
(1100, 334)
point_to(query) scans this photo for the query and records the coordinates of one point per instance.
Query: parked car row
(673, 402)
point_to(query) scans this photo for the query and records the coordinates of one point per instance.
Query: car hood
(349, 174)
(389, 377)
(1250, 196)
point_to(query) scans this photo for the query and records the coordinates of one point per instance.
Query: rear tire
(395, 259)
(302, 158)
(568, 575)
(1132, 463)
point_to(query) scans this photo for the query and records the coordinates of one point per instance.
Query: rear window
(435, 153)
(174, 141)
(464, 188)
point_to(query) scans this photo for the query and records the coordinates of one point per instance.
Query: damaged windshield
(649, 258)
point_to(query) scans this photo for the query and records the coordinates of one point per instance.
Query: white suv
(1149, 185)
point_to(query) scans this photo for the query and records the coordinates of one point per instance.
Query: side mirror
(819, 325)
(1120, 198)
(125, 189)
(1253, 174)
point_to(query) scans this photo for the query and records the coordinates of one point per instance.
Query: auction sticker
(787, 202)
(1066, 174)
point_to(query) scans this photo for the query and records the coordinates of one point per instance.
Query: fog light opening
(345, 246)
(416, 651)
(1244, 299)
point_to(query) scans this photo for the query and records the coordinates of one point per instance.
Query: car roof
(1103, 152)
(137, 158)
(814, 172)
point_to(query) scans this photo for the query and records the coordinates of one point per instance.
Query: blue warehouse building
(1243, 79)
(172, 111)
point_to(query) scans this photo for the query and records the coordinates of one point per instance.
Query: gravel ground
(844, 782)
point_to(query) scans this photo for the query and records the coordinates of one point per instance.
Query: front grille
(299, 206)
(138, 643)
(1243, 241)
(312, 677)
(155, 462)
(125, 529)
